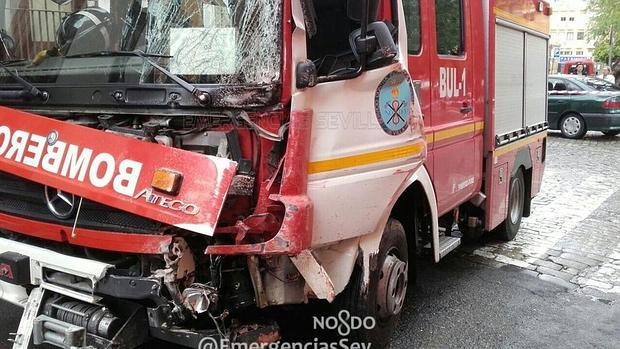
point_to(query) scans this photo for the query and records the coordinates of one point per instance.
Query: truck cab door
(457, 159)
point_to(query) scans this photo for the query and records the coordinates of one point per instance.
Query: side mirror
(306, 74)
(378, 46)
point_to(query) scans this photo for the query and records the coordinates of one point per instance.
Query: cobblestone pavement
(572, 237)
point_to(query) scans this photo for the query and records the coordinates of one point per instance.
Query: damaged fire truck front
(168, 166)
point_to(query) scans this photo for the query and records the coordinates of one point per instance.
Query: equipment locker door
(455, 160)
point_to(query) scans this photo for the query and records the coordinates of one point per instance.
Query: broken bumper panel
(81, 161)
(41, 259)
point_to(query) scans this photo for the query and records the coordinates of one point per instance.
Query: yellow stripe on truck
(365, 159)
(392, 153)
(454, 132)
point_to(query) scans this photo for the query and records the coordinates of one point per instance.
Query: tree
(605, 17)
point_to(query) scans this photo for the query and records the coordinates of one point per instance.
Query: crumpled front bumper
(42, 259)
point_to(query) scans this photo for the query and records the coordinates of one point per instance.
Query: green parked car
(578, 104)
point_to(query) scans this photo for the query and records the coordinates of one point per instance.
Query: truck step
(447, 244)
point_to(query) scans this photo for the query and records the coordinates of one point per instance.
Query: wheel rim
(572, 125)
(516, 207)
(392, 286)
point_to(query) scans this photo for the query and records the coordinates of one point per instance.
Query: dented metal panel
(295, 234)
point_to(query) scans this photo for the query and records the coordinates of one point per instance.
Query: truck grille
(24, 198)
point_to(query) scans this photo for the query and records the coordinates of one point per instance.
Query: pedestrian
(606, 75)
(579, 69)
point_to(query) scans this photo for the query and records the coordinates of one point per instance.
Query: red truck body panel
(458, 143)
(530, 15)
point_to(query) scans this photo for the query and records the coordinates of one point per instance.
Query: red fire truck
(168, 168)
(570, 67)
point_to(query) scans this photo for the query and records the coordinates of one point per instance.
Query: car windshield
(600, 84)
(81, 42)
(562, 84)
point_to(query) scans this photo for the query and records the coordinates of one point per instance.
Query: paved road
(556, 285)
(573, 235)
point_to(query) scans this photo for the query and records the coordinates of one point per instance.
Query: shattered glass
(204, 41)
(237, 37)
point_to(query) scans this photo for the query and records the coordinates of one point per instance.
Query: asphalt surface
(461, 304)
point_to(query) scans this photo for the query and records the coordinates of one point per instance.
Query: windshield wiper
(201, 96)
(29, 90)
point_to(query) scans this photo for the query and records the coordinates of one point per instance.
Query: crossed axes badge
(396, 106)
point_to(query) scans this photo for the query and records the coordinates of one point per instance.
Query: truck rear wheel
(384, 296)
(508, 230)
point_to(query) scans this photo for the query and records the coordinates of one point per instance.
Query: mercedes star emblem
(52, 138)
(61, 204)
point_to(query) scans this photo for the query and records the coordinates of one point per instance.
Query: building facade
(569, 27)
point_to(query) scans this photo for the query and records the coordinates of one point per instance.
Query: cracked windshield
(95, 42)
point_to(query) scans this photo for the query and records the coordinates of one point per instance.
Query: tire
(363, 302)
(508, 230)
(611, 133)
(573, 126)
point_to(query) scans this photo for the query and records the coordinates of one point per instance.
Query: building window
(563, 19)
(570, 36)
(580, 35)
(449, 27)
(579, 53)
(571, 19)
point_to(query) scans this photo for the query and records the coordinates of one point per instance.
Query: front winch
(97, 320)
(66, 323)
(69, 323)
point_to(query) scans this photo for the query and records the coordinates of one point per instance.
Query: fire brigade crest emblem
(393, 101)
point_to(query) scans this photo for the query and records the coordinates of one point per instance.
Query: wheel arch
(361, 252)
(418, 189)
(419, 183)
(523, 162)
(406, 212)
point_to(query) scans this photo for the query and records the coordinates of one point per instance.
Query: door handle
(466, 108)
